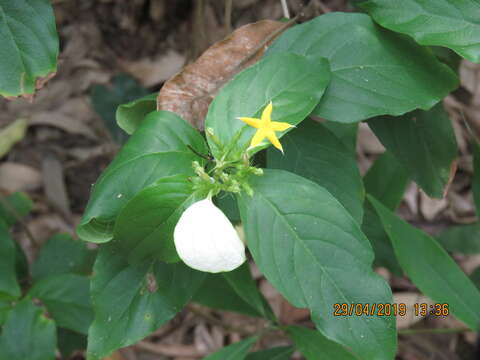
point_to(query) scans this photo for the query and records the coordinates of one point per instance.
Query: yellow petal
(267, 113)
(280, 126)
(254, 122)
(258, 137)
(274, 140)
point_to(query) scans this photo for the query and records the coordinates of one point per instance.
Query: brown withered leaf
(190, 91)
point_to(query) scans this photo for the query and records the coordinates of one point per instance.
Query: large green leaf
(312, 250)
(386, 180)
(144, 227)
(29, 45)
(315, 153)
(159, 148)
(130, 115)
(314, 345)
(450, 23)
(132, 301)
(27, 334)
(292, 82)
(423, 142)
(345, 132)
(277, 353)
(462, 239)
(430, 268)
(237, 351)
(238, 290)
(374, 71)
(62, 254)
(67, 298)
(476, 176)
(9, 288)
(15, 205)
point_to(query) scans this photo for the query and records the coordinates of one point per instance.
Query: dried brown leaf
(190, 91)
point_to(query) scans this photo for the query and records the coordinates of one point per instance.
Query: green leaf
(346, 133)
(293, 83)
(132, 301)
(424, 144)
(62, 254)
(106, 100)
(130, 115)
(476, 176)
(11, 134)
(9, 288)
(315, 153)
(311, 249)
(277, 353)
(453, 24)
(70, 341)
(29, 45)
(462, 239)
(67, 298)
(27, 334)
(16, 204)
(238, 291)
(386, 180)
(5, 306)
(237, 351)
(431, 269)
(228, 204)
(374, 71)
(475, 277)
(314, 345)
(144, 228)
(157, 149)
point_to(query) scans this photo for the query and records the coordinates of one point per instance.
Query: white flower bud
(206, 240)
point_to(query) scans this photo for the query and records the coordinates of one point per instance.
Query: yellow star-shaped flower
(266, 128)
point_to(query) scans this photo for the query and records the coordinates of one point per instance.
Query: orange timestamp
(387, 309)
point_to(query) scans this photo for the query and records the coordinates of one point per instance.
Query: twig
(213, 320)
(286, 12)
(173, 350)
(23, 224)
(322, 6)
(433, 331)
(228, 16)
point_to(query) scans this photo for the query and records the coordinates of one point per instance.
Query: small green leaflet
(237, 351)
(130, 115)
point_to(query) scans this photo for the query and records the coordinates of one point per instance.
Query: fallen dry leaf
(409, 299)
(151, 72)
(18, 177)
(12, 134)
(190, 91)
